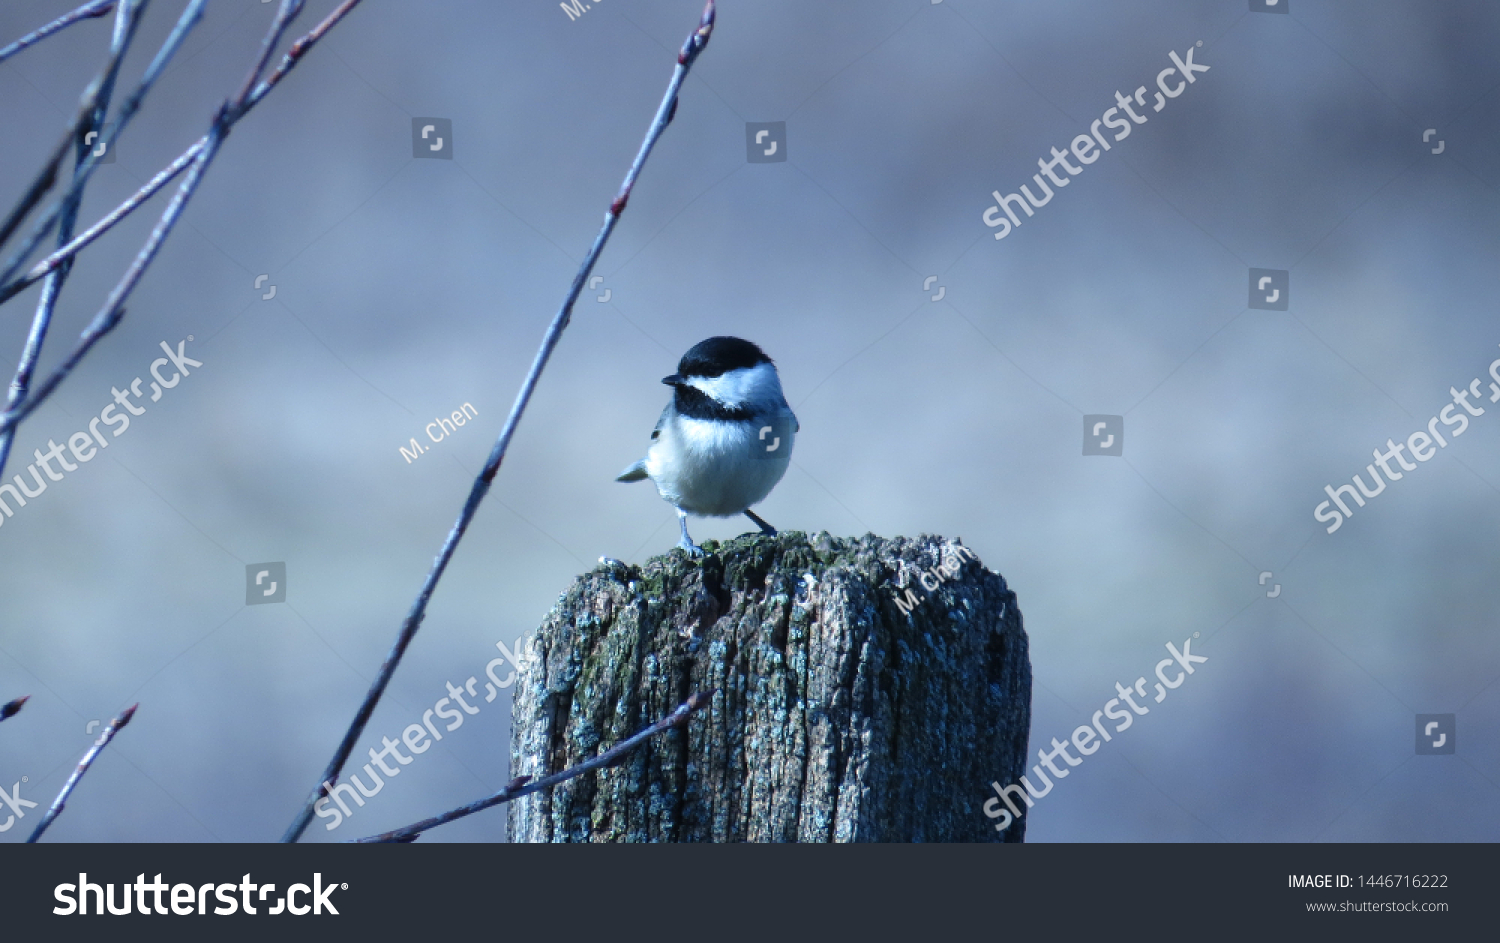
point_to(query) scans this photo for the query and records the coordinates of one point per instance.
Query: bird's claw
(766, 530)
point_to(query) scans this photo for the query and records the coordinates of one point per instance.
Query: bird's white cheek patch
(745, 385)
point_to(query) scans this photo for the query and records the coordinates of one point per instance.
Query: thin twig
(288, 62)
(32, 351)
(525, 786)
(114, 307)
(284, 17)
(88, 10)
(694, 45)
(84, 165)
(13, 707)
(106, 320)
(296, 52)
(21, 382)
(62, 255)
(127, 18)
(191, 14)
(168, 173)
(56, 808)
(109, 316)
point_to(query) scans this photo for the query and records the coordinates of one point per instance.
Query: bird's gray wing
(637, 471)
(662, 421)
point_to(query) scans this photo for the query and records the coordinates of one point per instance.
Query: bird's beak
(673, 380)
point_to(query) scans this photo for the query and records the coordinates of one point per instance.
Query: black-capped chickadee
(724, 440)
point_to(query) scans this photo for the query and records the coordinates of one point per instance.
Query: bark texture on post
(838, 715)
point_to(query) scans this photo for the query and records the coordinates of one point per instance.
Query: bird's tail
(636, 472)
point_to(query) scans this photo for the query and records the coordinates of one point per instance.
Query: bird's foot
(766, 530)
(686, 542)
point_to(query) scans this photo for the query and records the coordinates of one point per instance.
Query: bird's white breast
(716, 468)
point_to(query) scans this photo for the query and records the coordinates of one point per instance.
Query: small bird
(724, 440)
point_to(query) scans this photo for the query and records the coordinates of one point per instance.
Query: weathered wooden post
(866, 690)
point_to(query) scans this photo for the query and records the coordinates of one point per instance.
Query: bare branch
(89, 160)
(284, 16)
(67, 208)
(109, 316)
(694, 45)
(114, 308)
(288, 62)
(524, 786)
(87, 11)
(168, 173)
(127, 18)
(61, 801)
(13, 707)
(297, 51)
(21, 382)
(67, 252)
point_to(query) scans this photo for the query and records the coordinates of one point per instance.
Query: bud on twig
(12, 708)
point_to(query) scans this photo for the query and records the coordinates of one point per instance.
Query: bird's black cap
(717, 356)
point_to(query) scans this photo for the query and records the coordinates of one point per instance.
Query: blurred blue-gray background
(405, 288)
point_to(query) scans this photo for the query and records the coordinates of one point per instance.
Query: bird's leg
(686, 542)
(765, 529)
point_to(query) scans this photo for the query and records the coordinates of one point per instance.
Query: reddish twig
(12, 708)
(53, 811)
(297, 51)
(285, 14)
(525, 786)
(694, 45)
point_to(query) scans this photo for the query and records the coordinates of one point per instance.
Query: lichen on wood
(864, 690)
